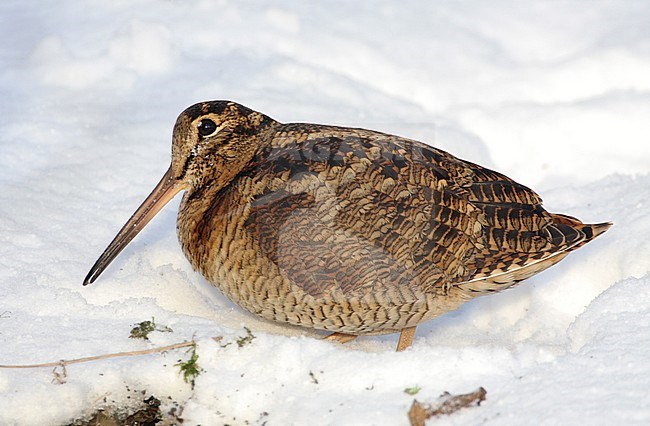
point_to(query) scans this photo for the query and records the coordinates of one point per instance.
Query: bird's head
(212, 142)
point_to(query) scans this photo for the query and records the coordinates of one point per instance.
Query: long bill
(166, 189)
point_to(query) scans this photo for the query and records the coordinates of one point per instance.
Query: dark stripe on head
(187, 164)
(202, 108)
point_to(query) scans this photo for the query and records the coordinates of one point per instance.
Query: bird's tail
(565, 234)
(575, 234)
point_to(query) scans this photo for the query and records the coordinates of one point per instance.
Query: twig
(447, 404)
(59, 378)
(64, 362)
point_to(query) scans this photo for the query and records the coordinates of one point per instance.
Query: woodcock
(343, 229)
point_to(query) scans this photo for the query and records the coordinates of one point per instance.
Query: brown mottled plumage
(341, 229)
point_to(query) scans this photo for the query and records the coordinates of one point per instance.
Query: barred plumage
(342, 229)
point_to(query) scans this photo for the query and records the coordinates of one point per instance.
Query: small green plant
(412, 391)
(190, 369)
(142, 329)
(243, 341)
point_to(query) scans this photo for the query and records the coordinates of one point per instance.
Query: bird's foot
(405, 338)
(340, 337)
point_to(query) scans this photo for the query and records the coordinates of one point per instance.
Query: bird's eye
(207, 127)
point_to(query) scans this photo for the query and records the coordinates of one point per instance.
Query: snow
(554, 94)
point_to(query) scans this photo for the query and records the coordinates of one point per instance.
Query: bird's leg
(405, 338)
(340, 337)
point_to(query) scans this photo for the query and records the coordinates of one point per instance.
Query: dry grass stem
(63, 362)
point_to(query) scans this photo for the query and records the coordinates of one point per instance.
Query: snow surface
(554, 94)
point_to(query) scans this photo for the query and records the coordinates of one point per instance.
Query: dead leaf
(446, 404)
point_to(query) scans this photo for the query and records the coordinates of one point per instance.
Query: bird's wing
(359, 211)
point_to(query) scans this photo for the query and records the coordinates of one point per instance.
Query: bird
(347, 230)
